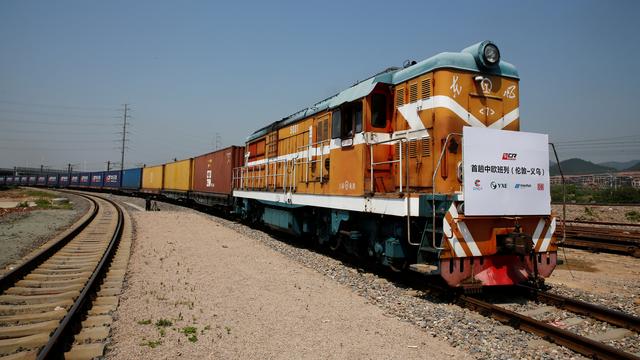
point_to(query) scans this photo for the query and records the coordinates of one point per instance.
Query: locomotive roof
(463, 60)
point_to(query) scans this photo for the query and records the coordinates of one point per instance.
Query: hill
(635, 167)
(579, 167)
(618, 165)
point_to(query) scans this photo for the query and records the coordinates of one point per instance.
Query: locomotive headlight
(491, 54)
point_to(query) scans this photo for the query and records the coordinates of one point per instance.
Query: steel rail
(56, 345)
(611, 316)
(9, 279)
(575, 342)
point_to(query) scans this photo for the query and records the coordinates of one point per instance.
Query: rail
(266, 175)
(311, 151)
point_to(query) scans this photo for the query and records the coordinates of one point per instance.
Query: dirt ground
(23, 231)
(599, 213)
(598, 272)
(211, 292)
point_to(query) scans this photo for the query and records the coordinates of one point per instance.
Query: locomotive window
(379, 110)
(357, 116)
(335, 124)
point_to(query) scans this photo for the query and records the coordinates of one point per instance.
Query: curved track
(44, 299)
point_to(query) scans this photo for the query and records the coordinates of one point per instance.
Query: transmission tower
(125, 117)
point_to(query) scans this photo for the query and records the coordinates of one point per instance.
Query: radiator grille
(426, 88)
(413, 92)
(399, 97)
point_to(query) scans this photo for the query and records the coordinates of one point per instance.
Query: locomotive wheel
(335, 242)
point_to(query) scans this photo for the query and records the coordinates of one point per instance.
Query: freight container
(42, 180)
(213, 175)
(177, 176)
(152, 178)
(2, 180)
(131, 179)
(63, 181)
(33, 180)
(112, 179)
(75, 180)
(52, 180)
(85, 179)
(97, 179)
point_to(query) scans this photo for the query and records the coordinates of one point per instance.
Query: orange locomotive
(378, 170)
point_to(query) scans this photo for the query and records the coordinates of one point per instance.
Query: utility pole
(108, 165)
(124, 134)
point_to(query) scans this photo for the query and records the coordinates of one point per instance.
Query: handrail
(401, 139)
(433, 191)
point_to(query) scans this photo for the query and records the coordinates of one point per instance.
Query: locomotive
(419, 168)
(378, 170)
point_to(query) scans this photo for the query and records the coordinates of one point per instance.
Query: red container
(213, 172)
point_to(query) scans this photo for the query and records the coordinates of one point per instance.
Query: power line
(54, 123)
(40, 113)
(66, 107)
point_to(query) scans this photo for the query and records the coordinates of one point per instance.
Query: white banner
(505, 172)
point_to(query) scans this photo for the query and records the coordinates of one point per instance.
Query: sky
(202, 74)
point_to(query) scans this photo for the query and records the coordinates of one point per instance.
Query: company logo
(495, 185)
(522, 186)
(111, 178)
(509, 156)
(540, 187)
(476, 185)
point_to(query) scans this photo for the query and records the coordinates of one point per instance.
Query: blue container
(85, 179)
(75, 180)
(132, 179)
(42, 180)
(97, 179)
(33, 180)
(52, 180)
(63, 181)
(112, 179)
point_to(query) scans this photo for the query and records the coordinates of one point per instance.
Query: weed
(163, 323)
(162, 332)
(38, 193)
(23, 204)
(43, 203)
(632, 215)
(228, 330)
(151, 343)
(189, 330)
(193, 338)
(144, 322)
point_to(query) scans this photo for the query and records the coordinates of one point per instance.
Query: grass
(152, 343)
(144, 322)
(632, 215)
(39, 194)
(164, 323)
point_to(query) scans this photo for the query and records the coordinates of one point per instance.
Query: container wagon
(131, 180)
(33, 180)
(177, 179)
(52, 180)
(63, 181)
(112, 179)
(212, 176)
(85, 180)
(152, 179)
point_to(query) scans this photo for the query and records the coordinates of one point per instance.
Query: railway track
(592, 346)
(67, 289)
(618, 238)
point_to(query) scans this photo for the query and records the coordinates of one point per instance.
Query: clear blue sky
(193, 69)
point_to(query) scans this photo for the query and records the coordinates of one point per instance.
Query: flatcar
(420, 167)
